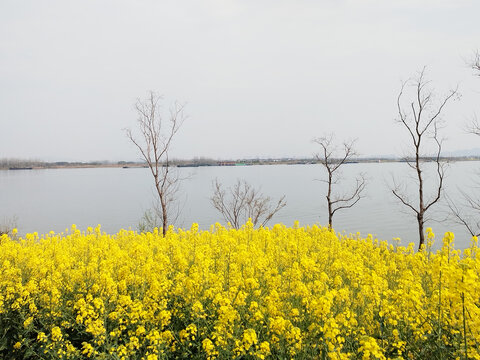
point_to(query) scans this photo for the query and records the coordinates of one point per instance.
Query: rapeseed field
(269, 293)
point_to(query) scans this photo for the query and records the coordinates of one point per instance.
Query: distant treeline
(19, 163)
(27, 163)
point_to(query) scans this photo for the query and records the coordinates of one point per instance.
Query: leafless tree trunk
(242, 202)
(332, 159)
(154, 145)
(422, 120)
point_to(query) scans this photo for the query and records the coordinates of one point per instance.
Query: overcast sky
(260, 77)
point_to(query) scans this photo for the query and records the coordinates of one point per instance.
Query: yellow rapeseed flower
(299, 292)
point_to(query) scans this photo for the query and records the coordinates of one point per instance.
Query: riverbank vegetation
(267, 293)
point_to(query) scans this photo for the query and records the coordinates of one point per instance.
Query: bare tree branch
(474, 126)
(475, 64)
(440, 169)
(154, 146)
(332, 165)
(243, 202)
(355, 196)
(466, 211)
(460, 218)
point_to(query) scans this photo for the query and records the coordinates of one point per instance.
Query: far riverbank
(20, 164)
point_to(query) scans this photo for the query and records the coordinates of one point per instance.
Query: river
(54, 199)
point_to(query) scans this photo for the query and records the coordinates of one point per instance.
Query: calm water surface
(44, 200)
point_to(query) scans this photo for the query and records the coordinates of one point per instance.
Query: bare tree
(422, 120)
(242, 202)
(154, 145)
(471, 202)
(333, 158)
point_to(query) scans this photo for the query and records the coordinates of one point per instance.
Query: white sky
(261, 78)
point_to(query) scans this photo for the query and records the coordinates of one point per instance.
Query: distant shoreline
(26, 165)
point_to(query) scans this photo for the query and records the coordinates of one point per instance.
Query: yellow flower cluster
(268, 293)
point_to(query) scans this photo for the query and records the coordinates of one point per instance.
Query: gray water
(54, 199)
